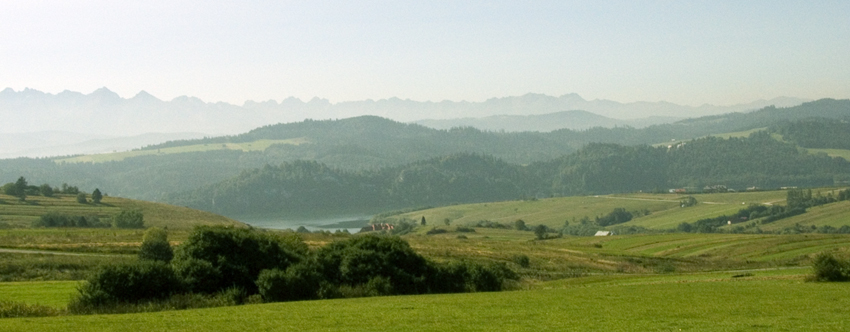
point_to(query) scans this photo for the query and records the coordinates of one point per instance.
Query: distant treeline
(124, 219)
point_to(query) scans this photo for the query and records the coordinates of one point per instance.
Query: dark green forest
(816, 133)
(302, 188)
(370, 164)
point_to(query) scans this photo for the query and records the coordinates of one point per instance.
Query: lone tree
(81, 198)
(520, 225)
(96, 196)
(540, 231)
(423, 221)
(46, 190)
(21, 188)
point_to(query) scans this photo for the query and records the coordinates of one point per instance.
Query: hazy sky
(687, 52)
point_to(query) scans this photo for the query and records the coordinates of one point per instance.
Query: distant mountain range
(61, 143)
(103, 114)
(574, 120)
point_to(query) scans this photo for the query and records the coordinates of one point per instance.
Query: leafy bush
(618, 216)
(198, 276)
(358, 260)
(55, 219)
(519, 225)
(521, 260)
(298, 282)
(458, 277)
(237, 254)
(155, 246)
(128, 283)
(540, 231)
(490, 224)
(435, 230)
(128, 219)
(828, 268)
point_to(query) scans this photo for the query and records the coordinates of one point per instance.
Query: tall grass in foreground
(10, 309)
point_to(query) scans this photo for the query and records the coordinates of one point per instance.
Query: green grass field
(704, 302)
(665, 210)
(832, 152)
(671, 281)
(48, 293)
(22, 214)
(258, 145)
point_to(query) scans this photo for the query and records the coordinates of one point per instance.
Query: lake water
(352, 223)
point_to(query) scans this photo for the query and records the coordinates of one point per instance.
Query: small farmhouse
(602, 233)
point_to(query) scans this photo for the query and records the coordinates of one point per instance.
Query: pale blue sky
(686, 52)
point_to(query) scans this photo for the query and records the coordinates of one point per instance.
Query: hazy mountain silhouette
(104, 113)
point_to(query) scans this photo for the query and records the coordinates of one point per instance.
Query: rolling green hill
(664, 210)
(309, 188)
(14, 213)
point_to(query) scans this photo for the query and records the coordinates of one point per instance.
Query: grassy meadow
(703, 302)
(665, 211)
(14, 213)
(258, 145)
(654, 282)
(832, 152)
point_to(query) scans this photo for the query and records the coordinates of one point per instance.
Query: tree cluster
(280, 268)
(55, 219)
(124, 219)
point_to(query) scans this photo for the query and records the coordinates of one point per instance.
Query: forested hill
(816, 133)
(370, 144)
(384, 139)
(710, 125)
(305, 188)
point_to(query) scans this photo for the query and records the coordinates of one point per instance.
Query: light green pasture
(258, 145)
(832, 152)
(48, 293)
(665, 210)
(600, 303)
(22, 214)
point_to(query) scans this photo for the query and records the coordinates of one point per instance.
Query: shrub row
(281, 268)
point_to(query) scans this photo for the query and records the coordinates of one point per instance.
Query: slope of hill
(657, 211)
(22, 214)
